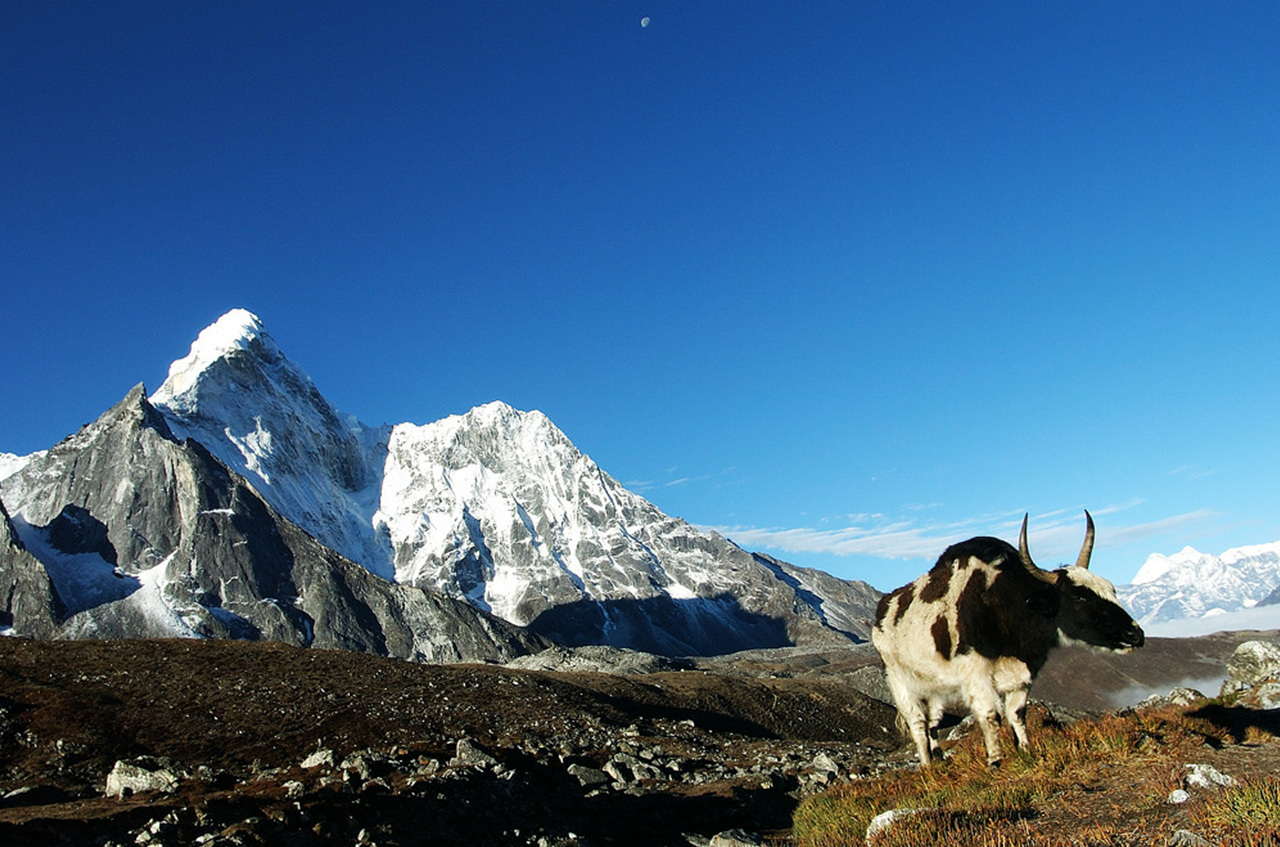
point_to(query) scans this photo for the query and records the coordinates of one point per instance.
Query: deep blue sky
(852, 280)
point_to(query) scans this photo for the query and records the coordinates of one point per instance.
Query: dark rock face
(26, 594)
(139, 535)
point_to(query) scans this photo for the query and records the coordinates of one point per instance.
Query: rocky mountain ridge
(495, 509)
(122, 530)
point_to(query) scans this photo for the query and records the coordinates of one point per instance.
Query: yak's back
(978, 598)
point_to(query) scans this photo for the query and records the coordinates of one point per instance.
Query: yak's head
(1088, 611)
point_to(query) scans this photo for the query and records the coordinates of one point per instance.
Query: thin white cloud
(892, 541)
(1138, 532)
(1052, 536)
(1192, 472)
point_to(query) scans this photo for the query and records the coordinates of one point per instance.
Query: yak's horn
(1087, 550)
(1022, 545)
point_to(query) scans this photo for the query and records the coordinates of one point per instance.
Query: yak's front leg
(986, 712)
(1015, 710)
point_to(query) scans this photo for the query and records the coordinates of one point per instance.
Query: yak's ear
(1045, 602)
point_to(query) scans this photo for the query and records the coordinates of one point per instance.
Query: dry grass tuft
(1025, 801)
(1247, 814)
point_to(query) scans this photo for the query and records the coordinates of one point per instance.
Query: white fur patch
(1090, 580)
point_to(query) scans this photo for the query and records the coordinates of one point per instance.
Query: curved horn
(1087, 550)
(1023, 552)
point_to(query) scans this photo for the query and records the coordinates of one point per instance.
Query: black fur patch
(939, 581)
(903, 595)
(942, 637)
(996, 620)
(984, 548)
(882, 608)
(1095, 620)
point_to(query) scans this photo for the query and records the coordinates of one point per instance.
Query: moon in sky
(644, 21)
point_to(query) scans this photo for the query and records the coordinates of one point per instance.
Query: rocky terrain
(217, 742)
(227, 742)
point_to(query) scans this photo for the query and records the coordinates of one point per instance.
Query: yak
(975, 630)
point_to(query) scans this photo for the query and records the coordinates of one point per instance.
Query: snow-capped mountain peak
(1157, 565)
(1191, 584)
(238, 329)
(256, 410)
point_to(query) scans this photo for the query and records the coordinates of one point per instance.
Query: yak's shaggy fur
(976, 629)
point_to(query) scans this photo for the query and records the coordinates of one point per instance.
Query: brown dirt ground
(239, 710)
(242, 716)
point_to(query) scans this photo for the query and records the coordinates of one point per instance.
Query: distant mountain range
(1191, 585)
(236, 501)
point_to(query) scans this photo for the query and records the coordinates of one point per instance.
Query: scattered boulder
(141, 774)
(626, 769)
(586, 776)
(1206, 776)
(1187, 838)
(961, 729)
(1265, 696)
(823, 769)
(320, 758)
(884, 820)
(1180, 696)
(1252, 663)
(467, 754)
(736, 838)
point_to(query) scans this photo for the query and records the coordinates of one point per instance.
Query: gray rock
(1206, 776)
(598, 659)
(1187, 838)
(143, 774)
(1264, 696)
(467, 754)
(320, 758)
(358, 765)
(1253, 662)
(961, 729)
(1176, 697)
(736, 838)
(29, 606)
(824, 764)
(586, 776)
(871, 682)
(1178, 796)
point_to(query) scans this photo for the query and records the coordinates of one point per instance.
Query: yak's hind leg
(912, 717)
(935, 718)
